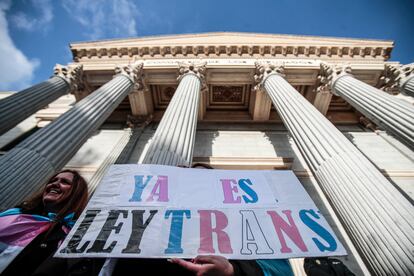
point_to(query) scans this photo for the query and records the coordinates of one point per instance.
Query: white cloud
(16, 70)
(104, 18)
(44, 15)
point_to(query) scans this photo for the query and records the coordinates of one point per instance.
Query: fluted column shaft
(377, 217)
(21, 105)
(388, 112)
(173, 141)
(32, 162)
(407, 87)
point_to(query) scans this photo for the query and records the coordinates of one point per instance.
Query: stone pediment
(229, 43)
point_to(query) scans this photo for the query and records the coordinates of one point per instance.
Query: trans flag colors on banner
(153, 211)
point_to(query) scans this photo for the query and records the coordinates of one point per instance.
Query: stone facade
(250, 101)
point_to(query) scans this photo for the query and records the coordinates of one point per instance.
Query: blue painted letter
(139, 187)
(244, 185)
(176, 231)
(318, 229)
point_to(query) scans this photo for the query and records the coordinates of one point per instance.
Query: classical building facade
(333, 110)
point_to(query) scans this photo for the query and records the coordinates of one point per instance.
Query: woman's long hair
(76, 202)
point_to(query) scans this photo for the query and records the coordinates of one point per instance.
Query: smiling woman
(57, 191)
(64, 193)
(31, 232)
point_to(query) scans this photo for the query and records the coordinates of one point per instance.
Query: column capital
(395, 76)
(330, 73)
(264, 70)
(72, 74)
(134, 72)
(197, 69)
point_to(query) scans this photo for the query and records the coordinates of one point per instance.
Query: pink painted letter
(206, 232)
(160, 189)
(289, 228)
(228, 190)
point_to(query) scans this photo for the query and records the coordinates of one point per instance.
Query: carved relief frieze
(162, 95)
(167, 93)
(227, 94)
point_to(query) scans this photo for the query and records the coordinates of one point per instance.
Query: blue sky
(35, 34)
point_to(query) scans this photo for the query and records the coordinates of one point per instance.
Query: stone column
(118, 155)
(26, 167)
(21, 105)
(173, 141)
(377, 217)
(393, 115)
(323, 96)
(399, 77)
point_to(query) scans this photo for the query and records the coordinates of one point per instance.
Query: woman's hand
(207, 265)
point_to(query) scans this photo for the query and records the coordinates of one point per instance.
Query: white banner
(152, 211)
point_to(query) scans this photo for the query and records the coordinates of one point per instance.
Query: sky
(35, 34)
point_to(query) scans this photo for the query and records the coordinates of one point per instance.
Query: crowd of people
(31, 233)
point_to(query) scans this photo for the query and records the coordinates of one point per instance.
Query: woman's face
(57, 191)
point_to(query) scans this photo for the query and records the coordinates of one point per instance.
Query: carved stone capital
(134, 72)
(197, 69)
(395, 75)
(329, 73)
(265, 69)
(73, 75)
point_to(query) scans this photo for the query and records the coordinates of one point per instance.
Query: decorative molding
(234, 49)
(72, 75)
(227, 94)
(228, 97)
(260, 163)
(162, 95)
(134, 72)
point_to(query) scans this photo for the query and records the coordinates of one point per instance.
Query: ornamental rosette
(134, 72)
(197, 69)
(265, 69)
(72, 74)
(329, 73)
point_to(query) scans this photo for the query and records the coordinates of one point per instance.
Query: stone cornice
(225, 44)
(225, 50)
